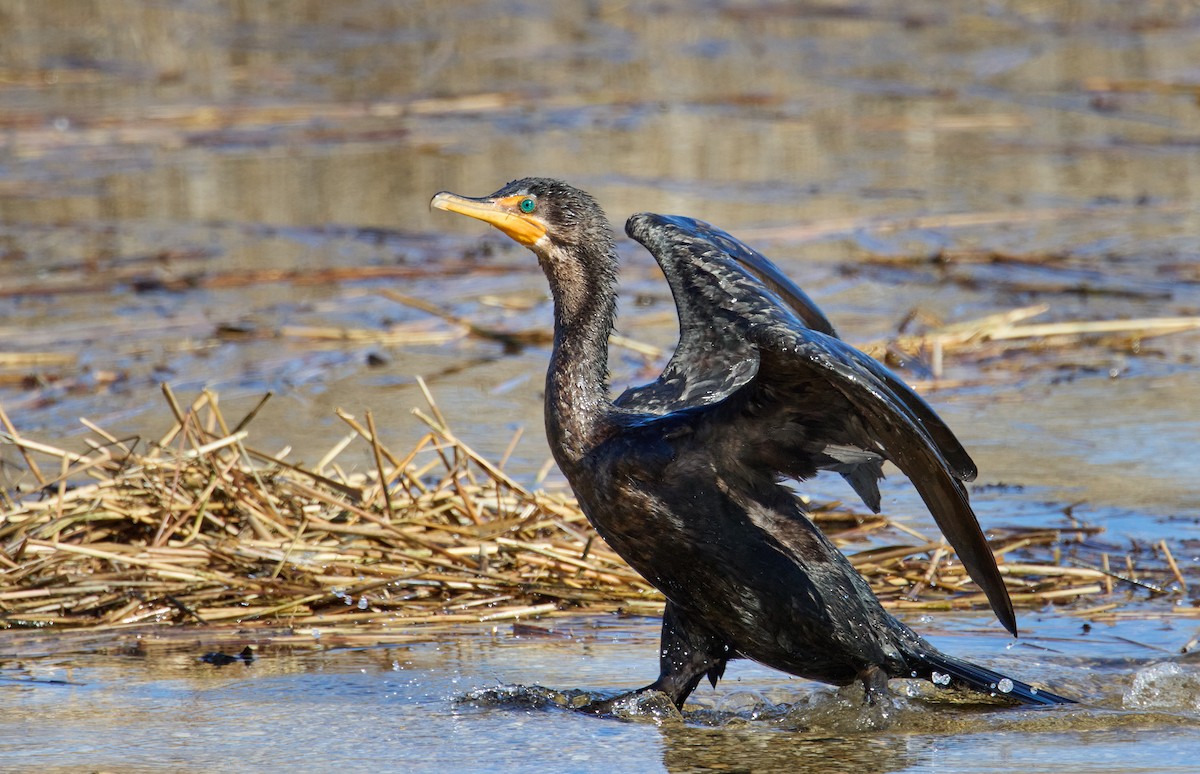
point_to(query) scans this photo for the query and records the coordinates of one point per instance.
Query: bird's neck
(577, 400)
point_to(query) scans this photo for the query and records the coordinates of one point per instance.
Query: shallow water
(411, 707)
(156, 161)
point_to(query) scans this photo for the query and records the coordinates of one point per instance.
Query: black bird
(690, 496)
(711, 360)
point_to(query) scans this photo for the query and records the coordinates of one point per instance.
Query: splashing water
(1164, 686)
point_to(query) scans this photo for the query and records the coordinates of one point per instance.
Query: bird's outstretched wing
(709, 361)
(691, 235)
(693, 375)
(812, 397)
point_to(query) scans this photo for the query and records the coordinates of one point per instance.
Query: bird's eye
(527, 204)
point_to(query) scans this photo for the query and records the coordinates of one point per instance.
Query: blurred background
(217, 195)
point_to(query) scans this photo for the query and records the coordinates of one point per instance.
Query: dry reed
(199, 527)
(1001, 334)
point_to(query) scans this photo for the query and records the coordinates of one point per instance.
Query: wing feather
(803, 396)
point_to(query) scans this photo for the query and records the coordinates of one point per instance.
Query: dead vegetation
(199, 527)
(1007, 333)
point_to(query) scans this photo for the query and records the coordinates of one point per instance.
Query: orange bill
(503, 213)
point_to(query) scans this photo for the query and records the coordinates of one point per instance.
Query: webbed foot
(647, 703)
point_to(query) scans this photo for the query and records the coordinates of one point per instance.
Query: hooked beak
(501, 213)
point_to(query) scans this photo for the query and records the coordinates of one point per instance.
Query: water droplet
(940, 679)
(316, 633)
(362, 602)
(1005, 685)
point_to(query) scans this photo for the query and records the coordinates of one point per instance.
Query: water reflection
(355, 112)
(146, 700)
(697, 749)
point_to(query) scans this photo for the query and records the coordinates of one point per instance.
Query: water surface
(188, 190)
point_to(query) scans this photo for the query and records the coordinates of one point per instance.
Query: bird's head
(537, 212)
(567, 231)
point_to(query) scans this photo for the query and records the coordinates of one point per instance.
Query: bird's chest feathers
(650, 502)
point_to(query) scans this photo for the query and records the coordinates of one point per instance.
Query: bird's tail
(946, 670)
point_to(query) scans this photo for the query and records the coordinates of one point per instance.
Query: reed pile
(1006, 333)
(199, 527)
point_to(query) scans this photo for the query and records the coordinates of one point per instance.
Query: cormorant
(690, 495)
(711, 360)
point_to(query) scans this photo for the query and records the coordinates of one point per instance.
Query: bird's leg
(688, 652)
(875, 684)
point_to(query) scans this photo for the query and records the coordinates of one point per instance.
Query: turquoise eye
(527, 205)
